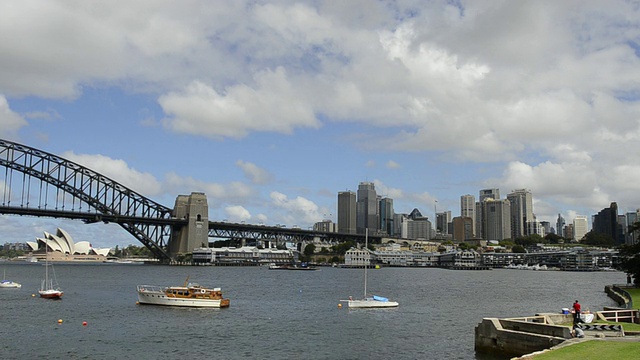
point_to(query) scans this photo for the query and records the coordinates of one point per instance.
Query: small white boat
(189, 295)
(369, 302)
(8, 283)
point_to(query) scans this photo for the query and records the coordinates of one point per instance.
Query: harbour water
(277, 314)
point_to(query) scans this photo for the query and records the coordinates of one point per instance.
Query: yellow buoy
(339, 305)
(59, 321)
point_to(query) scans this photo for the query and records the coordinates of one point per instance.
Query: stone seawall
(519, 336)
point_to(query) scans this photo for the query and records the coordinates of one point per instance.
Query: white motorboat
(189, 295)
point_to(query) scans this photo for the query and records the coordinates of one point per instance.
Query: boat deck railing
(150, 288)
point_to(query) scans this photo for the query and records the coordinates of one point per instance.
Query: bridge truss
(38, 183)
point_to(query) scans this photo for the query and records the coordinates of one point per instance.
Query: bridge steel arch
(49, 185)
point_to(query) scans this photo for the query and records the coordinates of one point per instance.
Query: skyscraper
(468, 209)
(606, 222)
(560, 223)
(387, 216)
(484, 195)
(367, 208)
(442, 222)
(580, 227)
(521, 212)
(496, 220)
(347, 212)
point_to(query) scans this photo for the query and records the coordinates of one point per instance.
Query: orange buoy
(339, 305)
(59, 321)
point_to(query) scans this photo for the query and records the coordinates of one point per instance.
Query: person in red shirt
(576, 312)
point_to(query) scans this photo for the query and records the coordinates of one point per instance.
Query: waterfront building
(496, 219)
(367, 208)
(560, 223)
(460, 259)
(521, 212)
(580, 227)
(387, 216)
(468, 209)
(347, 212)
(246, 255)
(356, 257)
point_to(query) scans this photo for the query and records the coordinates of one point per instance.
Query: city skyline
(272, 108)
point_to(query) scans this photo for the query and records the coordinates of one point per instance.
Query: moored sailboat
(369, 302)
(49, 288)
(8, 283)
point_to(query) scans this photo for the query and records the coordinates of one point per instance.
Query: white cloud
(10, 121)
(272, 105)
(392, 164)
(237, 213)
(299, 208)
(256, 174)
(119, 171)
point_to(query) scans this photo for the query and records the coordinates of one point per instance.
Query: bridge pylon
(194, 234)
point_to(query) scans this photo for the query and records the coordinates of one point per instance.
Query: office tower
(496, 219)
(632, 218)
(484, 195)
(347, 212)
(468, 209)
(568, 231)
(606, 222)
(367, 208)
(386, 216)
(489, 194)
(442, 222)
(580, 227)
(462, 228)
(521, 212)
(546, 227)
(560, 226)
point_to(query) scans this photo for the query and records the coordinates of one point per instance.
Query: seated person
(577, 332)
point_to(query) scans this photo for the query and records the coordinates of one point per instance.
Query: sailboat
(47, 288)
(8, 283)
(369, 302)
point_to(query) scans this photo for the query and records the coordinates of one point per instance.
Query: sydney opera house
(62, 247)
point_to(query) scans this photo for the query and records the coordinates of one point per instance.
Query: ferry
(189, 295)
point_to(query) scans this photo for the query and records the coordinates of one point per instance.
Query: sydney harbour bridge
(37, 183)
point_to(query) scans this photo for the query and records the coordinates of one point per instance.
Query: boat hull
(10, 284)
(50, 294)
(371, 304)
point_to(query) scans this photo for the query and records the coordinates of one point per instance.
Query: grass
(594, 349)
(635, 296)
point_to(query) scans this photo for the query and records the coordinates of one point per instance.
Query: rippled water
(277, 314)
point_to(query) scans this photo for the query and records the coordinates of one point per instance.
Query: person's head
(576, 301)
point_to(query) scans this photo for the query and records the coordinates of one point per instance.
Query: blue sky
(273, 107)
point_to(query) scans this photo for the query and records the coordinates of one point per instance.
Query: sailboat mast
(366, 249)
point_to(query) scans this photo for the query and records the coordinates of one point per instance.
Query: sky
(273, 107)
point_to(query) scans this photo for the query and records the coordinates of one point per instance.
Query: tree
(598, 239)
(518, 249)
(553, 238)
(309, 249)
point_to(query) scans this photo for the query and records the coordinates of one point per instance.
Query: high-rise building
(580, 227)
(546, 227)
(387, 216)
(442, 222)
(367, 208)
(484, 195)
(606, 222)
(521, 212)
(496, 218)
(568, 231)
(560, 223)
(347, 212)
(462, 228)
(468, 209)
(632, 218)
